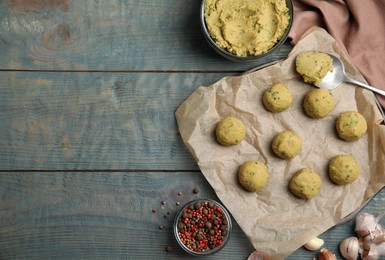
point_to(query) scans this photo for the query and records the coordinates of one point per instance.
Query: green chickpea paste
(246, 28)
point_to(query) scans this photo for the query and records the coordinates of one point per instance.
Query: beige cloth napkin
(357, 25)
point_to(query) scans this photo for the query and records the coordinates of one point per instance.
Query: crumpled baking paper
(276, 222)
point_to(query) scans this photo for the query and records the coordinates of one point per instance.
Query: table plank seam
(126, 71)
(98, 170)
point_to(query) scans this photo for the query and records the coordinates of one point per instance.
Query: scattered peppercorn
(202, 226)
(177, 203)
(169, 248)
(160, 227)
(195, 190)
(180, 193)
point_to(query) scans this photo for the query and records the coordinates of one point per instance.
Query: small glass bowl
(234, 57)
(202, 227)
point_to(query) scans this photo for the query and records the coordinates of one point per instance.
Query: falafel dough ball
(305, 184)
(351, 126)
(253, 175)
(343, 169)
(287, 144)
(277, 98)
(318, 103)
(313, 66)
(230, 131)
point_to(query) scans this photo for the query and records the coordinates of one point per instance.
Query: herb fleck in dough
(318, 103)
(287, 144)
(246, 28)
(253, 175)
(277, 98)
(313, 66)
(351, 126)
(305, 184)
(343, 169)
(230, 131)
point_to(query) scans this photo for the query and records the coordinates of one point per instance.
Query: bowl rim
(234, 57)
(207, 252)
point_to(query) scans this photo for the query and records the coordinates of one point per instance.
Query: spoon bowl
(337, 76)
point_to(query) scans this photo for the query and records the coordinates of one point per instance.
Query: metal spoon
(338, 76)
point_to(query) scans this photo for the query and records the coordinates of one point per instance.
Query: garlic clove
(325, 254)
(366, 223)
(314, 244)
(375, 252)
(255, 256)
(366, 242)
(379, 239)
(349, 248)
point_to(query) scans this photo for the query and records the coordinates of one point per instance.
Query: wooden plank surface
(108, 35)
(89, 142)
(66, 215)
(95, 120)
(104, 215)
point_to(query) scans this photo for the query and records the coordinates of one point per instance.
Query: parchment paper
(276, 222)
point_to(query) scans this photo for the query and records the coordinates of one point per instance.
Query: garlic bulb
(314, 244)
(365, 223)
(349, 248)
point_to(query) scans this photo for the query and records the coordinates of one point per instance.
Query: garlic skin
(349, 248)
(366, 223)
(314, 244)
(325, 254)
(255, 256)
(371, 236)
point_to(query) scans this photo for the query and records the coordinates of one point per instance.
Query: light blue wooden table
(89, 142)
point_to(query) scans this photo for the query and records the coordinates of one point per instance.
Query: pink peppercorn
(199, 226)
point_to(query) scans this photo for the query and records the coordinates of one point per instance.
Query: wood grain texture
(104, 215)
(98, 215)
(108, 35)
(93, 121)
(89, 142)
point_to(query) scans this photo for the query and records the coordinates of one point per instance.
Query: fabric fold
(357, 26)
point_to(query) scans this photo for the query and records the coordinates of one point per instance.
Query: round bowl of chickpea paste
(245, 30)
(202, 227)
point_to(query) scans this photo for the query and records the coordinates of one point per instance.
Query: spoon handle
(376, 90)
